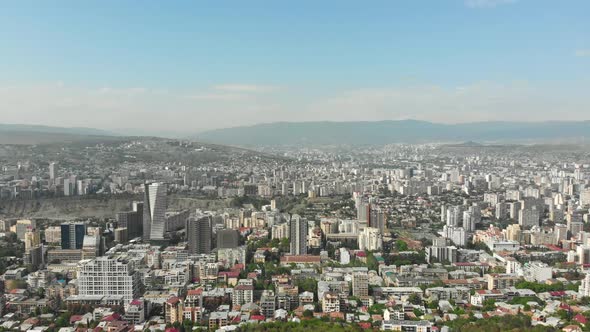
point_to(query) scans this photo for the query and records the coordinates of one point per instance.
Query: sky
(189, 66)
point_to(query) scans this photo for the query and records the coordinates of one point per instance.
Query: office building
(72, 235)
(52, 171)
(132, 220)
(154, 212)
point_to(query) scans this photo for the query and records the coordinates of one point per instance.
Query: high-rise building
(584, 288)
(33, 248)
(199, 233)
(72, 235)
(501, 211)
(583, 253)
(298, 233)
(585, 197)
(70, 186)
(53, 234)
(52, 171)
(21, 227)
(454, 216)
(121, 235)
(377, 219)
(243, 293)
(154, 211)
(363, 213)
(108, 276)
(132, 220)
(370, 238)
(560, 231)
(360, 284)
(528, 217)
(513, 208)
(92, 245)
(513, 232)
(227, 238)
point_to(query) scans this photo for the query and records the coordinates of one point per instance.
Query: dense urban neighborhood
(463, 237)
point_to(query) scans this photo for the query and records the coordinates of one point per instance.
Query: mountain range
(402, 131)
(37, 134)
(336, 133)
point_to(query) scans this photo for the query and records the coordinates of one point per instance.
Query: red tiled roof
(555, 248)
(173, 300)
(197, 291)
(564, 306)
(365, 325)
(111, 318)
(244, 287)
(580, 319)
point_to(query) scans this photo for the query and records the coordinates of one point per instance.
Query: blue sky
(229, 63)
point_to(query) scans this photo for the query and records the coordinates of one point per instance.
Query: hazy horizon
(190, 67)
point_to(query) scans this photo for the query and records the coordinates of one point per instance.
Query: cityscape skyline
(269, 166)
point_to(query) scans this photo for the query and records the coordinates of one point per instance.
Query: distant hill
(37, 134)
(55, 130)
(404, 131)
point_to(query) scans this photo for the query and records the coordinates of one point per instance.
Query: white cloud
(250, 88)
(582, 53)
(217, 96)
(483, 101)
(487, 3)
(112, 108)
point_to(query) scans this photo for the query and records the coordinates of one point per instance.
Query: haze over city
(194, 66)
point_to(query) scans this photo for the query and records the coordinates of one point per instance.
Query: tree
(401, 245)
(307, 285)
(489, 305)
(415, 299)
(187, 325)
(418, 312)
(432, 305)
